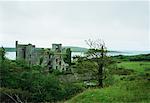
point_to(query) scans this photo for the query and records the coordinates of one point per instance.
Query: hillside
(10, 49)
(130, 84)
(77, 49)
(124, 92)
(141, 57)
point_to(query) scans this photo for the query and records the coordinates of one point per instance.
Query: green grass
(139, 67)
(131, 91)
(123, 91)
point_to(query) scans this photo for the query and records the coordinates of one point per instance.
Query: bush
(122, 71)
(32, 84)
(110, 80)
(72, 89)
(45, 88)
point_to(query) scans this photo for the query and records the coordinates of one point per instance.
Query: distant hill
(9, 49)
(73, 49)
(140, 57)
(77, 49)
(81, 49)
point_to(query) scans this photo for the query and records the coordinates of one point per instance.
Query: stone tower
(58, 62)
(56, 48)
(25, 52)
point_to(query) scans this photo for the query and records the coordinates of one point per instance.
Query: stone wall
(48, 58)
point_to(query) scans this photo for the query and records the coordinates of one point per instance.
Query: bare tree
(97, 53)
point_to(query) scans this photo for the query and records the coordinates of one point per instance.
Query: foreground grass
(136, 90)
(125, 91)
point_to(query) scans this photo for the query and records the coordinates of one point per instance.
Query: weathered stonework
(25, 52)
(48, 58)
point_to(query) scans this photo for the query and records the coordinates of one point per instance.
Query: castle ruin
(53, 58)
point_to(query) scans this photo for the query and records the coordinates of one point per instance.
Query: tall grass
(125, 91)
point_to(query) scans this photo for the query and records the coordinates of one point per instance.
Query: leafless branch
(95, 44)
(18, 99)
(11, 97)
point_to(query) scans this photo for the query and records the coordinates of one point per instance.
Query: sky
(123, 25)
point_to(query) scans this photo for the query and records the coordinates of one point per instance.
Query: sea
(12, 55)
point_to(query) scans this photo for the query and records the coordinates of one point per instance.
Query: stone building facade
(49, 58)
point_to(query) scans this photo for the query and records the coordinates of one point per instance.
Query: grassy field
(124, 91)
(131, 91)
(136, 66)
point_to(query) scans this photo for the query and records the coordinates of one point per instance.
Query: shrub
(110, 80)
(32, 84)
(72, 89)
(122, 71)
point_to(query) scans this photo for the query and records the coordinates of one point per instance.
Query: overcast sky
(123, 25)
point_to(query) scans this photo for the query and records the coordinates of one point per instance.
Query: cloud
(123, 25)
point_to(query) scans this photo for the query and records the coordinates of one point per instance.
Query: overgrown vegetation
(126, 80)
(21, 83)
